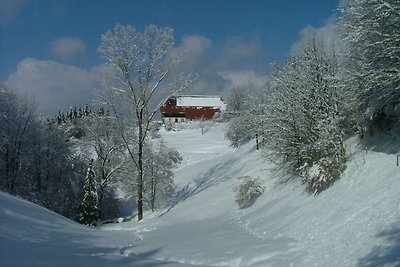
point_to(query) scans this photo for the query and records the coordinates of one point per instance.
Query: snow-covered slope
(354, 223)
(33, 236)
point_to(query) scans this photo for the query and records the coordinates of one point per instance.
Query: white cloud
(325, 36)
(9, 9)
(68, 49)
(197, 49)
(55, 86)
(244, 78)
(236, 53)
(241, 54)
(238, 63)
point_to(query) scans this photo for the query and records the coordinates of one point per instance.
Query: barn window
(171, 101)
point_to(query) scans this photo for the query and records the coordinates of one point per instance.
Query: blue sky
(226, 40)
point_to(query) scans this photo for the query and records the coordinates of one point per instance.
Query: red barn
(189, 108)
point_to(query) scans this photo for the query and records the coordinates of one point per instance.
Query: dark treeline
(76, 113)
(48, 161)
(36, 161)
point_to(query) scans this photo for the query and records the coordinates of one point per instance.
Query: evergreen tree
(90, 202)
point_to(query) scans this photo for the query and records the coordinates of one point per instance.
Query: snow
(200, 101)
(354, 223)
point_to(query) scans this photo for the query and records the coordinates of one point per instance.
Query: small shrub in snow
(322, 174)
(247, 192)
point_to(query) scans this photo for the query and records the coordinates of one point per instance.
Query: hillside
(354, 223)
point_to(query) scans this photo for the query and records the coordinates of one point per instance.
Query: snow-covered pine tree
(90, 202)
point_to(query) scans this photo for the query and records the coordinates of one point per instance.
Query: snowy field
(354, 223)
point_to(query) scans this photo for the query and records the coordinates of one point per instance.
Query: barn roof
(200, 101)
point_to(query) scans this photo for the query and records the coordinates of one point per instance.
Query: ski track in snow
(354, 223)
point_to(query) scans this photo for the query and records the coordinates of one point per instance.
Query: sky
(48, 48)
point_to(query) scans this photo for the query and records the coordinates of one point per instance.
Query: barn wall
(190, 113)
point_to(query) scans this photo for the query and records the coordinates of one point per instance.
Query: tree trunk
(140, 171)
(101, 195)
(153, 188)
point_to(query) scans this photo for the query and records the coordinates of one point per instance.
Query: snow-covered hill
(354, 223)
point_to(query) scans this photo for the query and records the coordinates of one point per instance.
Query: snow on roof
(200, 101)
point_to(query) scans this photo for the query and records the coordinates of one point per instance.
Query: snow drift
(354, 223)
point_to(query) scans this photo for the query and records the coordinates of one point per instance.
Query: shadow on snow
(213, 176)
(384, 255)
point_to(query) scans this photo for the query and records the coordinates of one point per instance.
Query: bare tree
(371, 32)
(35, 161)
(142, 64)
(159, 185)
(110, 160)
(17, 124)
(304, 117)
(237, 98)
